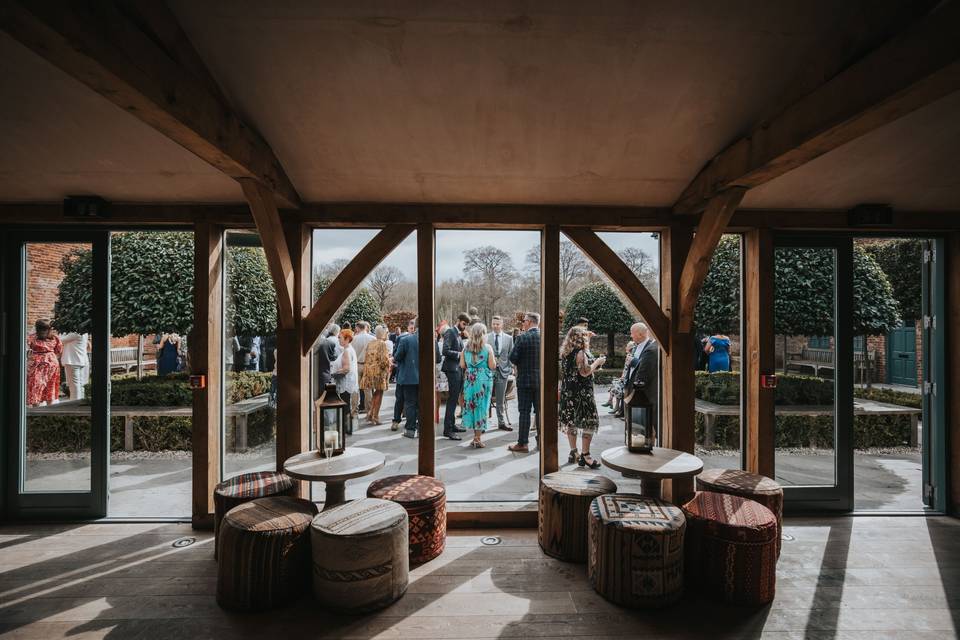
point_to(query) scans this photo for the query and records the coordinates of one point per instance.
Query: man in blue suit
(407, 357)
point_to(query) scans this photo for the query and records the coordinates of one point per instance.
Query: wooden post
(205, 359)
(425, 281)
(549, 347)
(759, 351)
(677, 414)
(952, 383)
(293, 382)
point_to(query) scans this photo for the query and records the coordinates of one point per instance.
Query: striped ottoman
(748, 485)
(565, 498)
(635, 555)
(264, 558)
(360, 557)
(425, 500)
(731, 548)
(244, 488)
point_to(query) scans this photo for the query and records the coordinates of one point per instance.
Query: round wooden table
(652, 468)
(354, 462)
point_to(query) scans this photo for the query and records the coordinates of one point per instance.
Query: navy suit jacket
(526, 355)
(407, 356)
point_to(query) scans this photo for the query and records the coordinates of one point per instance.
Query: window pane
(249, 355)
(57, 325)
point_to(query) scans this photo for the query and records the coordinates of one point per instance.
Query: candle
(331, 440)
(638, 441)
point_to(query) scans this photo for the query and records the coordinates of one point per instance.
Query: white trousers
(76, 378)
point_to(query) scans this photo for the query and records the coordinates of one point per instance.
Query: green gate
(902, 355)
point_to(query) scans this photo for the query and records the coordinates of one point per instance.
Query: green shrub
(890, 396)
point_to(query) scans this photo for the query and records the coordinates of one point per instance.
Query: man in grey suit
(502, 344)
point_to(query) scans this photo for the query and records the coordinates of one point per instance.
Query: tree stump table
(565, 498)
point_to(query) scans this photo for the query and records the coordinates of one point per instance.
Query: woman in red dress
(43, 365)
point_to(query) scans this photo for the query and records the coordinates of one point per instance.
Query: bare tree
(382, 281)
(330, 270)
(573, 264)
(492, 271)
(642, 265)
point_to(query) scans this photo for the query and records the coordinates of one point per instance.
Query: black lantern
(640, 429)
(329, 422)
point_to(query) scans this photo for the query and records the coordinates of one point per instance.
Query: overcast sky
(330, 244)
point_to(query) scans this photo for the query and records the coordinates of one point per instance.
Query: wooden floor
(862, 577)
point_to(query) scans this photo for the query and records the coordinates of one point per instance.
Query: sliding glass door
(56, 360)
(814, 348)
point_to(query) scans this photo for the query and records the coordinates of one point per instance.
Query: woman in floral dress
(43, 365)
(478, 361)
(376, 372)
(578, 408)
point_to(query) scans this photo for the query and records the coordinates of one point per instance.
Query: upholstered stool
(244, 488)
(360, 557)
(565, 498)
(264, 558)
(746, 485)
(635, 555)
(731, 548)
(425, 500)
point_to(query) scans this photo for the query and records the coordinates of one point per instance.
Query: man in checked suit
(642, 384)
(502, 345)
(526, 356)
(452, 346)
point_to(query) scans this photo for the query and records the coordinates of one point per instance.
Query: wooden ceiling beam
(153, 73)
(274, 242)
(904, 74)
(624, 279)
(350, 278)
(712, 224)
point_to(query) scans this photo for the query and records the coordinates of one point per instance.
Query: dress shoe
(459, 430)
(504, 427)
(519, 448)
(410, 434)
(394, 426)
(618, 414)
(452, 436)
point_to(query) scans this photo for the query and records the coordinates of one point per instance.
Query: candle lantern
(639, 428)
(329, 420)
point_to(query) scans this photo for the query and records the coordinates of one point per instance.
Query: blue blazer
(407, 356)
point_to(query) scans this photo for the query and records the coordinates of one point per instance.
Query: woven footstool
(425, 500)
(635, 555)
(264, 558)
(731, 548)
(565, 498)
(360, 557)
(748, 485)
(244, 488)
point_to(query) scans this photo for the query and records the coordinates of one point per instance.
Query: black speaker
(85, 207)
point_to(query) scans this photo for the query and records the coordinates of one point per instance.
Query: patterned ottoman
(731, 548)
(264, 556)
(746, 485)
(425, 500)
(360, 557)
(565, 498)
(244, 488)
(635, 557)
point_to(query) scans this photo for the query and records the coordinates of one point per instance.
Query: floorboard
(838, 578)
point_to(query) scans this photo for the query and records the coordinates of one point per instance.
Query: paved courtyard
(158, 484)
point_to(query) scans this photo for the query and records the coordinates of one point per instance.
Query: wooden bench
(810, 358)
(239, 411)
(861, 407)
(126, 358)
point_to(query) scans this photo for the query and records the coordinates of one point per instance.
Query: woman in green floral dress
(478, 363)
(578, 407)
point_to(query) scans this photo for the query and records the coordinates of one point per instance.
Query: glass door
(57, 371)
(814, 346)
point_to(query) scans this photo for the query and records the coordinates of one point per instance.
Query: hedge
(804, 431)
(51, 434)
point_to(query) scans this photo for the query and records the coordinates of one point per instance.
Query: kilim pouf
(565, 498)
(635, 555)
(244, 488)
(360, 557)
(425, 500)
(264, 556)
(748, 485)
(731, 548)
